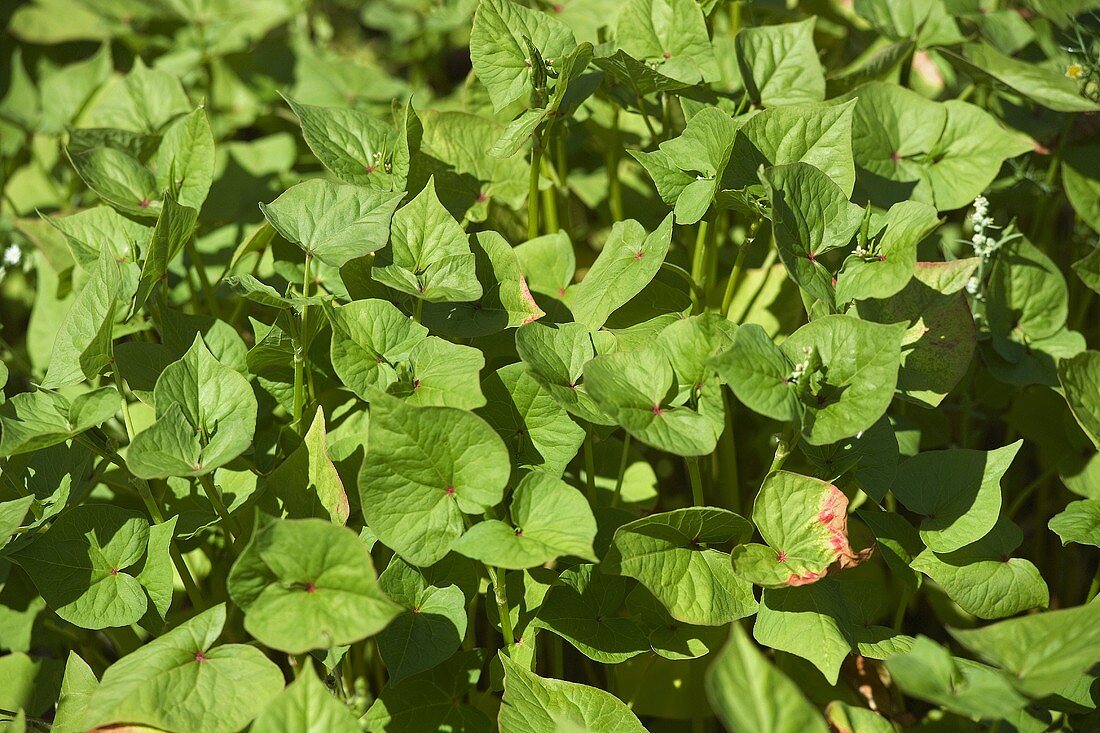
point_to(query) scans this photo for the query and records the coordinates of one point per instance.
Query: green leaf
(871, 458)
(460, 139)
(892, 253)
(1043, 652)
(90, 231)
(334, 222)
(759, 374)
(672, 555)
(307, 483)
(425, 703)
(185, 159)
(845, 717)
(80, 566)
(805, 523)
(430, 627)
(957, 492)
(929, 672)
(687, 169)
(548, 519)
(671, 35)
(355, 146)
(857, 383)
(635, 388)
(499, 52)
(538, 431)
(556, 356)
(809, 621)
(306, 705)
(639, 76)
(819, 135)
(169, 682)
(82, 348)
(119, 179)
(969, 154)
(1081, 181)
(425, 467)
(751, 695)
(1080, 379)
(36, 420)
(505, 302)
(941, 154)
(1046, 85)
(307, 584)
(30, 683)
(627, 263)
(1078, 522)
(175, 225)
(11, 516)
(585, 607)
(928, 22)
(982, 577)
(429, 255)
(811, 216)
(939, 345)
(779, 64)
(532, 704)
(377, 347)
(79, 682)
(206, 417)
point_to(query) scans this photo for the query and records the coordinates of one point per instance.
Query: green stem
(903, 606)
(614, 186)
(204, 281)
(590, 466)
(189, 584)
(666, 116)
(232, 530)
(1028, 490)
(533, 187)
(735, 277)
(561, 168)
(729, 470)
(550, 209)
(735, 8)
(500, 592)
(622, 471)
(418, 310)
(699, 262)
(653, 136)
(765, 270)
(785, 443)
(738, 267)
(697, 498)
(150, 502)
(299, 384)
(127, 420)
(696, 292)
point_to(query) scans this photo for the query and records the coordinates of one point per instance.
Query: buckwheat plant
(504, 365)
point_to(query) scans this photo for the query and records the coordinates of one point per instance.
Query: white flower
(972, 285)
(12, 255)
(801, 367)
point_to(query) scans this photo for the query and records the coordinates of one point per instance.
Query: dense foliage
(608, 365)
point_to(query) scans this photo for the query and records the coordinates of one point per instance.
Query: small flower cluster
(380, 162)
(864, 252)
(11, 258)
(801, 367)
(984, 245)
